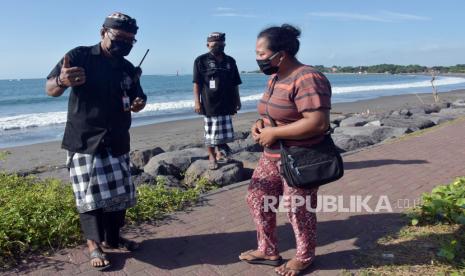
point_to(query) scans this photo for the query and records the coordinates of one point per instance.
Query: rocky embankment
(183, 165)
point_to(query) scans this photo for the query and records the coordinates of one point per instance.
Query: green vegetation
(35, 215)
(3, 155)
(392, 69)
(433, 243)
(413, 250)
(387, 69)
(156, 201)
(40, 215)
(445, 204)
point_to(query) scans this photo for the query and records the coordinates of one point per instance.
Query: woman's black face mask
(265, 65)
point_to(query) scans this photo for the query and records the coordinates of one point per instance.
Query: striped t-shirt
(305, 90)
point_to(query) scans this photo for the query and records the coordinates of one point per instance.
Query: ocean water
(28, 115)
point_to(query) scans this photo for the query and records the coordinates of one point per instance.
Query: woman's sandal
(98, 254)
(259, 260)
(294, 270)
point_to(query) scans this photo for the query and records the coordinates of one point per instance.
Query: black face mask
(266, 67)
(119, 48)
(217, 49)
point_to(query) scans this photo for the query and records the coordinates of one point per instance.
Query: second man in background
(216, 95)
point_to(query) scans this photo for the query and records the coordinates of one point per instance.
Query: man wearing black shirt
(105, 89)
(216, 95)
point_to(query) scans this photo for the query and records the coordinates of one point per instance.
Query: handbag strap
(272, 121)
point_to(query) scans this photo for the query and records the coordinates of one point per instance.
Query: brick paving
(207, 239)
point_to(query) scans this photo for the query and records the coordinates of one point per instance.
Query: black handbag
(309, 167)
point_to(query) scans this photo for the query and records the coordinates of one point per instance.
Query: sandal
(123, 243)
(294, 270)
(222, 159)
(128, 244)
(98, 254)
(212, 165)
(259, 260)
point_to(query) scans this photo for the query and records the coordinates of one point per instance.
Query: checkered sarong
(218, 130)
(101, 181)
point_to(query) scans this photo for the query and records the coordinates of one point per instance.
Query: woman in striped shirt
(298, 98)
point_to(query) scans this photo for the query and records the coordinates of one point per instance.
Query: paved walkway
(207, 240)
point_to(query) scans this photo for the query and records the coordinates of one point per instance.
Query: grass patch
(432, 242)
(4, 154)
(414, 251)
(39, 216)
(35, 215)
(156, 201)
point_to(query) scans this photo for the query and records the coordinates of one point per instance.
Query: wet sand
(176, 134)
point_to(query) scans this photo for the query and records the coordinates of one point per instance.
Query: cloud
(405, 16)
(224, 9)
(234, 14)
(429, 48)
(348, 16)
(230, 12)
(383, 16)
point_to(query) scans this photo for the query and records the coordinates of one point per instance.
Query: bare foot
(219, 155)
(292, 267)
(222, 159)
(212, 165)
(96, 261)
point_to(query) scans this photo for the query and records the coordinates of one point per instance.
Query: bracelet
(259, 120)
(58, 82)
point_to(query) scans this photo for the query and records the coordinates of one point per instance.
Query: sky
(36, 34)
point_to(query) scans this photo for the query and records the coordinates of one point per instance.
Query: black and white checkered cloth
(101, 181)
(218, 130)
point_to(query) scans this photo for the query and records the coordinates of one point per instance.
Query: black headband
(216, 36)
(121, 22)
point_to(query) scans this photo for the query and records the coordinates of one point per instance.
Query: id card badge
(212, 84)
(126, 103)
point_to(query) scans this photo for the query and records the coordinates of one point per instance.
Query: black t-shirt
(219, 98)
(96, 116)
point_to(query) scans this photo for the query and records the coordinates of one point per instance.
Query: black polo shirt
(220, 100)
(96, 117)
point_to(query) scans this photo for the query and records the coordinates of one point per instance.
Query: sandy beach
(178, 134)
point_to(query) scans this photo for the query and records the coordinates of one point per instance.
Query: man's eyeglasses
(113, 36)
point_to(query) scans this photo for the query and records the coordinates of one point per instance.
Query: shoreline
(252, 73)
(185, 133)
(47, 126)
